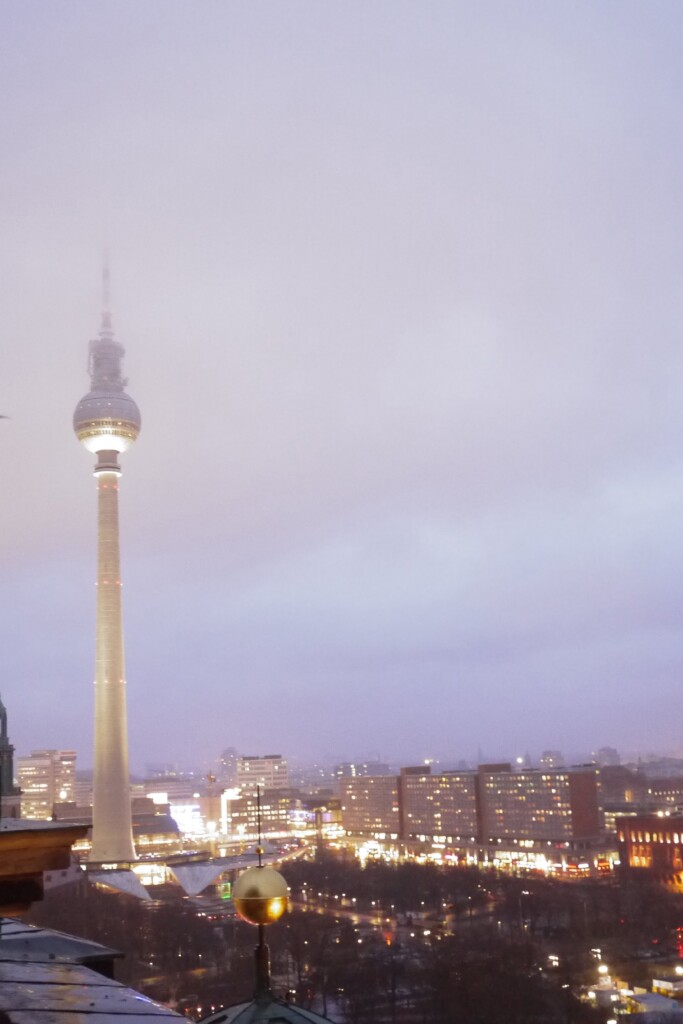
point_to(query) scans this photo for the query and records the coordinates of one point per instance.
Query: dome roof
(113, 405)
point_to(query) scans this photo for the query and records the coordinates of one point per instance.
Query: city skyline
(399, 293)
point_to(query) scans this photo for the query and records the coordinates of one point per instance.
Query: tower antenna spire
(106, 296)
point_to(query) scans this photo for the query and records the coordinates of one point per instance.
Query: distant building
(357, 769)
(240, 814)
(665, 794)
(622, 786)
(83, 789)
(313, 778)
(626, 790)
(551, 759)
(632, 791)
(227, 771)
(269, 772)
(161, 769)
(10, 795)
(165, 789)
(46, 778)
(661, 767)
(607, 756)
(552, 805)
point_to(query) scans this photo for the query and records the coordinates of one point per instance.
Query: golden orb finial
(260, 895)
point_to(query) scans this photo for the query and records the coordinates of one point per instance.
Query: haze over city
(399, 290)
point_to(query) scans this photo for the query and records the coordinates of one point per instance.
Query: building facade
(370, 806)
(539, 805)
(443, 805)
(10, 795)
(352, 769)
(493, 815)
(274, 809)
(653, 842)
(46, 778)
(268, 771)
(227, 767)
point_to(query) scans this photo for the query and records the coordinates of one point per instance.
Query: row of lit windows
(538, 799)
(641, 857)
(654, 837)
(533, 814)
(524, 792)
(456, 806)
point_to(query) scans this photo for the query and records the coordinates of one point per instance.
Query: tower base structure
(112, 835)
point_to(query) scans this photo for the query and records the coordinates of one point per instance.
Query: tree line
(403, 943)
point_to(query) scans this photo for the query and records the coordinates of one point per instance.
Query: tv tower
(106, 422)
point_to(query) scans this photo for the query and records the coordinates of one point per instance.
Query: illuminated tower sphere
(106, 422)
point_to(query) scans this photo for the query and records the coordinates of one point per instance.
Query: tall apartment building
(550, 805)
(240, 813)
(487, 806)
(227, 767)
(268, 772)
(46, 777)
(370, 806)
(438, 805)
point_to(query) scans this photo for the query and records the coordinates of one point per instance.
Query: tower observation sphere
(107, 422)
(106, 419)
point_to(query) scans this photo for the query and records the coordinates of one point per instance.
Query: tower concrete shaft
(112, 835)
(107, 422)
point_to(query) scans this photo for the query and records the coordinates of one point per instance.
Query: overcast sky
(400, 290)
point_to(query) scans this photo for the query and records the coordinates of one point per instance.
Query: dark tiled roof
(43, 981)
(27, 942)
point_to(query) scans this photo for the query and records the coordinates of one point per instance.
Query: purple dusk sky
(400, 290)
